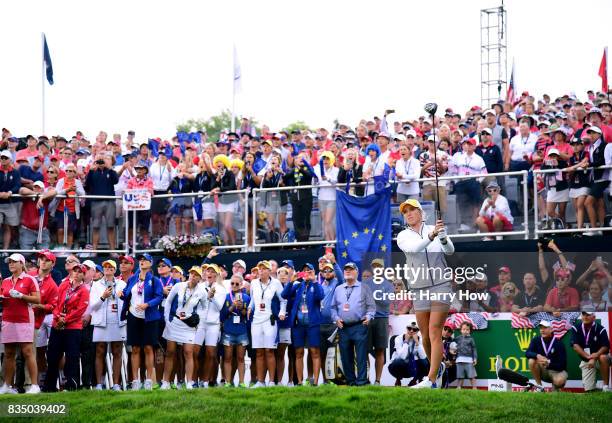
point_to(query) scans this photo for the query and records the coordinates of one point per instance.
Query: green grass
(324, 404)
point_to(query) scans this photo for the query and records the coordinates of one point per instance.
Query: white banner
(136, 199)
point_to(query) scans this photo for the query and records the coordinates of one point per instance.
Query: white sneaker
(258, 385)
(202, 385)
(116, 388)
(499, 237)
(4, 389)
(164, 385)
(34, 389)
(271, 384)
(148, 385)
(189, 385)
(290, 385)
(136, 385)
(425, 383)
(99, 387)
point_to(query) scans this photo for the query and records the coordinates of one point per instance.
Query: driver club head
(431, 108)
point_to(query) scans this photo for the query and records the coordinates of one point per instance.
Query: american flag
(478, 321)
(560, 324)
(511, 93)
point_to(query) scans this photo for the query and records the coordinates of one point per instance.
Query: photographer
(409, 359)
(101, 180)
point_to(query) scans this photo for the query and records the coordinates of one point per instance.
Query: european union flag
(47, 61)
(363, 225)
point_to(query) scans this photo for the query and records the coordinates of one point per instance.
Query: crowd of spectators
(567, 134)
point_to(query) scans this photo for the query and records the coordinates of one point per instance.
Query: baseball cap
(489, 112)
(126, 258)
(431, 138)
(400, 137)
(145, 256)
(410, 202)
(351, 265)
(178, 269)
(48, 255)
(413, 325)
(504, 269)
(487, 130)
(99, 268)
(492, 184)
(240, 263)
(307, 265)
(196, 269)
(15, 257)
(545, 323)
(378, 262)
(111, 263)
(590, 310)
(553, 151)
(166, 261)
(265, 264)
(384, 134)
(589, 129)
(39, 184)
(288, 263)
(595, 110)
(212, 266)
(469, 141)
(80, 267)
(328, 265)
(411, 133)
(7, 154)
(89, 264)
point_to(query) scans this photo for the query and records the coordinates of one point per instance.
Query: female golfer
(425, 247)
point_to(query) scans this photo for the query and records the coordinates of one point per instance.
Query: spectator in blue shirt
(330, 276)
(547, 358)
(352, 309)
(28, 174)
(305, 316)
(233, 318)
(590, 341)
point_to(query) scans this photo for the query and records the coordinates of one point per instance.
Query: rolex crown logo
(523, 337)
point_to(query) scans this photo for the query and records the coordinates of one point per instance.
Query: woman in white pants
(181, 303)
(264, 327)
(209, 330)
(105, 305)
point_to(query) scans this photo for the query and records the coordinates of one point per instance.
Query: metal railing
(524, 232)
(537, 230)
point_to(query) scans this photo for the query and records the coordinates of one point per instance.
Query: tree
(213, 125)
(297, 126)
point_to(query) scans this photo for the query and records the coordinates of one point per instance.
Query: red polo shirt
(16, 310)
(48, 299)
(570, 298)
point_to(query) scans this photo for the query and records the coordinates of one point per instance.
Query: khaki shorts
(9, 214)
(439, 293)
(548, 375)
(589, 376)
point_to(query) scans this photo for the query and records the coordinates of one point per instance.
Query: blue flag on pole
(363, 225)
(47, 61)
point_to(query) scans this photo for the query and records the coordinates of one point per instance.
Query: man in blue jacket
(330, 276)
(547, 358)
(305, 316)
(141, 299)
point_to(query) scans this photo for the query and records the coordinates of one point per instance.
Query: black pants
(326, 331)
(88, 357)
(302, 210)
(68, 342)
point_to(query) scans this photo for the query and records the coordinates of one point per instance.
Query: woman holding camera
(108, 328)
(182, 322)
(233, 316)
(225, 180)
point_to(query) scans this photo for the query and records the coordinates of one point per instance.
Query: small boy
(467, 356)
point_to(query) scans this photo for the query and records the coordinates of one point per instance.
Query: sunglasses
(484, 133)
(492, 190)
(236, 284)
(51, 172)
(161, 265)
(327, 271)
(71, 171)
(72, 261)
(412, 330)
(4, 158)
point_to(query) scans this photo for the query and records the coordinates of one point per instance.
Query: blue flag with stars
(363, 225)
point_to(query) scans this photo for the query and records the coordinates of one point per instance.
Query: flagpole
(233, 125)
(43, 80)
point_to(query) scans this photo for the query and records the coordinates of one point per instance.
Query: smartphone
(301, 275)
(239, 296)
(328, 250)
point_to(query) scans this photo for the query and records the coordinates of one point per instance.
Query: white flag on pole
(237, 73)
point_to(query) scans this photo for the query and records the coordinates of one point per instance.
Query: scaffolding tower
(493, 55)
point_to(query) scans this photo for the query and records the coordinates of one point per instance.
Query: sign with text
(136, 199)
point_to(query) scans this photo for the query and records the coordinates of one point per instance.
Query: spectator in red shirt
(18, 292)
(65, 339)
(31, 216)
(563, 297)
(43, 312)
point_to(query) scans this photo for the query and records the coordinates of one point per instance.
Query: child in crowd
(467, 356)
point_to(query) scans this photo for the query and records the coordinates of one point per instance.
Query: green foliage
(321, 404)
(213, 125)
(296, 126)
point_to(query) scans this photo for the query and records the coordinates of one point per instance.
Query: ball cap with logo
(545, 323)
(15, 257)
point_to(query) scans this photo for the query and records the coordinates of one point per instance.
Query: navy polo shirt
(597, 337)
(557, 354)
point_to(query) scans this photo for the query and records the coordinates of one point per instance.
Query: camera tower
(493, 55)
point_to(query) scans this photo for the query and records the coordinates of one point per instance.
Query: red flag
(603, 71)
(511, 94)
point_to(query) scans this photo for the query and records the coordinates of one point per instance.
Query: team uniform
(263, 330)
(17, 315)
(182, 301)
(108, 327)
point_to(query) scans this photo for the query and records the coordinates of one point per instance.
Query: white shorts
(208, 334)
(579, 192)
(208, 211)
(42, 334)
(284, 336)
(263, 335)
(109, 333)
(228, 208)
(554, 196)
